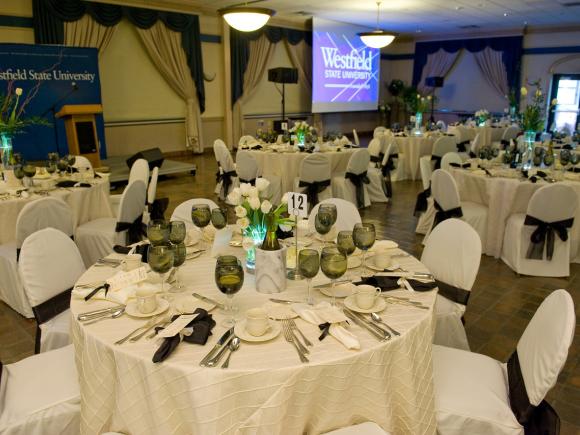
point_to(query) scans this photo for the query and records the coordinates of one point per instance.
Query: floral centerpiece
(419, 105)
(482, 116)
(258, 218)
(301, 128)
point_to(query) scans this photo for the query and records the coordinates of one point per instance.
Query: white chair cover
(444, 145)
(448, 159)
(452, 254)
(510, 133)
(425, 221)
(379, 131)
(97, 238)
(152, 189)
(355, 136)
(551, 203)
(225, 165)
(50, 263)
(183, 211)
(375, 148)
(34, 216)
(315, 167)
(347, 215)
(40, 395)
(441, 125)
(344, 188)
(139, 171)
(366, 428)
(81, 162)
(477, 144)
(248, 170)
(463, 133)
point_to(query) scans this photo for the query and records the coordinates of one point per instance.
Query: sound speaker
(154, 157)
(283, 75)
(434, 82)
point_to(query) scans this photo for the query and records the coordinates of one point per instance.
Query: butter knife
(208, 300)
(97, 313)
(360, 323)
(329, 284)
(223, 340)
(282, 301)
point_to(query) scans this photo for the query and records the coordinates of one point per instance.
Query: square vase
(270, 271)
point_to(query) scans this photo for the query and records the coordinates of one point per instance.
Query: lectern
(81, 130)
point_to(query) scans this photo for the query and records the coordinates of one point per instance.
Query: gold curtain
(301, 58)
(86, 32)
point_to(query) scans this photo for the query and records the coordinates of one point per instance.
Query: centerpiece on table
(259, 220)
(301, 129)
(482, 116)
(419, 105)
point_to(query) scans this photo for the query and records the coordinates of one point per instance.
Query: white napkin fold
(120, 296)
(221, 242)
(323, 312)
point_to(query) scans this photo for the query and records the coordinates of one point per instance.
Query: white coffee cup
(146, 300)
(366, 296)
(382, 259)
(257, 322)
(132, 262)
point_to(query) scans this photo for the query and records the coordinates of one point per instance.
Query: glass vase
(270, 242)
(418, 123)
(529, 145)
(301, 137)
(256, 234)
(6, 150)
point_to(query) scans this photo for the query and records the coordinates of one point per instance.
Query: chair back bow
(359, 180)
(437, 160)
(251, 181)
(158, 208)
(135, 230)
(313, 188)
(442, 215)
(386, 170)
(462, 146)
(421, 203)
(378, 159)
(460, 165)
(455, 294)
(543, 235)
(226, 179)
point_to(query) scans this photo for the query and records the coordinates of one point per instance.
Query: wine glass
(62, 165)
(18, 172)
(201, 216)
(325, 219)
(71, 159)
(229, 278)
(50, 166)
(564, 160)
(333, 264)
(29, 172)
(177, 232)
(160, 259)
(364, 236)
(158, 232)
(308, 265)
(345, 243)
(331, 209)
(219, 218)
(179, 253)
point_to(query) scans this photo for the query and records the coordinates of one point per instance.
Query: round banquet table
(287, 164)
(414, 147)
(87, 203)
(266, 389)
(504, 195)
(490, 134)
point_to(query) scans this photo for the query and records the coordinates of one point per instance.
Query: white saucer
(279, 311)
(379, 305)
(272, 332)
(340, 291)
(354, 262)
(371, 264)
(188, 304)
(131, 308)
(383, 244)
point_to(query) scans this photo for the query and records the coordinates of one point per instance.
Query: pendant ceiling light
(377, 38)
(246, 19)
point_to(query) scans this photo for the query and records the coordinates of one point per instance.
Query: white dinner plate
(354, 262)
(131, 308)
(380, 305)
(340, 291)
(188, 304)
(272, 332)
(279, 311)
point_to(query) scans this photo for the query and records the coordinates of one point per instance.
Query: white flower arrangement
(482, 114)
(300, 126)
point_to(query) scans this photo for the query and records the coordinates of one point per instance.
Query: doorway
(566, 89)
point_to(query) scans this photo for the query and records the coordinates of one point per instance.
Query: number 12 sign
(297, 204)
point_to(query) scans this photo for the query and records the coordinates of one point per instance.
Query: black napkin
(202, 326)
(574, 170)
(71, 183)
(256, 147)
(386, 283)
(143, 250)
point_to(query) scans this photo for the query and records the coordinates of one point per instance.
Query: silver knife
(208, 300)
(282, 301)
(329, 284)
(220, 343)
(385, 333)
(97, 313)
(362, 324)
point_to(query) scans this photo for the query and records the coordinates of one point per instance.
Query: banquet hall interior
(289, 217)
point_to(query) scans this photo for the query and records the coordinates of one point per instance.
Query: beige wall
(16, 8)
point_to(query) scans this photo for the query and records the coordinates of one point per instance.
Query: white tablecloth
(505, 196)
(86, 204)
(414, 147)
(287, 165)
(266, 390)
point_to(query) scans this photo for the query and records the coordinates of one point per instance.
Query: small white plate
(371, 264)
(379, 305)
(272, 332)
(188, 304)
(279, 311)
(340, 291)
(354, 262)
(131, 308)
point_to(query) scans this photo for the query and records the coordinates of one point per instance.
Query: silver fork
(295, 327)
(128, 336)
(289, 339)
(303, 348)
(147, 329)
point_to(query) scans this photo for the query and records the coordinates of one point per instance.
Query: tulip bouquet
(482, 116)
(12, 110)
(533, 114)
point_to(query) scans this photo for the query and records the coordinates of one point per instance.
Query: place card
(125, 279)
(177, 325)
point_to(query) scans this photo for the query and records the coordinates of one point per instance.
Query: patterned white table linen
(414, 147)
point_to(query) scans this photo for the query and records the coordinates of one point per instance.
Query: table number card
(177, 325)
(298, 204)
(125, 279)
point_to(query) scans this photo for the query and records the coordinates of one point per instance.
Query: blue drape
(511, 48)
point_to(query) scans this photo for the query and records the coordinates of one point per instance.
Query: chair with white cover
(347, 215)
(441, 125)
(462, 140)
(452, 254)
(425, 207)
(227, 177)
(314, 178)
(366, 428)
(376, 152)
(380, 186)
(34, 216)
(149, 212)
(248, 170)
(139, 171)
(510, 133)
(442, 146)
(537, 243)
(379, 131)
(40, 395)
(246, 141)
(476, 145)
(447, 204)
(81, 162)
(352, 184)
(97, 238)
(183, 211)
(355, 136)
(475, 394)
(449, 160)
(50, 265)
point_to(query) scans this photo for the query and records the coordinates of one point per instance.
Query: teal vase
(6, 150)
(301, 137)
(256, 233)
(529, 144)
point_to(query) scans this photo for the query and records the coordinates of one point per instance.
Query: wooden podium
(81, 130)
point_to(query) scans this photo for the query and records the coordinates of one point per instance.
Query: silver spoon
(112, 315)
(234, 345)
(378, 319)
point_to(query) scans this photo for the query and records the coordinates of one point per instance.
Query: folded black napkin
(256, 147)
(574, 170)
(386, 283)
(141, 249)
(460, 165)
(202, 326)
(71, 183)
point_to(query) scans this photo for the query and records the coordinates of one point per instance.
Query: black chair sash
(157, 208)
(437, 160)
(135, 231)
(359, 180)
(544, 235)
(504, 143)
(313, 188)
(460, 165)
(378, 159)
(386, 171)
(226, 179)
(442, 215)
(421, 203)
(250, 181)
(462, 146)
(48, 310)
(455, 294)
(536, 420)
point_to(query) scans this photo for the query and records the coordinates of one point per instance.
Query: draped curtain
(86, 32)
(438, 65)
(301, 56)
(491, 65)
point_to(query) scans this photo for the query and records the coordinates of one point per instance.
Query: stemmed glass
(158, 232)
(229, 278)
(308, 265)
(160, 259)
(364, 236)
(29, 172)
(345, 243)
(564, 160)
(325, 218)
(179, 254)
(333, 264)
(71, 159)
(19, 172)
(61, 165)
(201, 216)
(50, 166)
(219, 218)
(177, 232)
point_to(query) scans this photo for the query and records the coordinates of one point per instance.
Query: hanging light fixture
(377, 38)
(246, 19)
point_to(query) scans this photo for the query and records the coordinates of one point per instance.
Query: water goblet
(19, 172)
(574, 158)
(177, 232)
(331, 209)
(201, 217)
(160, 259)
(158, 232)
(62, 165)
(308, 265)
(179, 254)
(333, 264)
(71, 159)
(564, 160)
(364, 236)
(29, 172)
(50, 167)
(345, 243)
(229, 278)
(219, 218)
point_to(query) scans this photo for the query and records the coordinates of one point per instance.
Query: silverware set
(208, 300)
(291, 338)
(373, 328)
(403, 301)
(107, 262)
(142, 330)
(98, 314)
(214, 355)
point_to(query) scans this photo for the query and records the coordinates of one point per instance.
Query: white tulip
(253, 193)
(234, 197)
(262, 184)
(284, 199)
(266, 206)
(241, 211)
(245, 189)
(285, 228)
(254, 202)
(243, 223)
(18, 91)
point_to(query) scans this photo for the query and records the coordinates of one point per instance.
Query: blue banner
(51, 76)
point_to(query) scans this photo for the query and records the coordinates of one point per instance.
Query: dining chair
(347, 215)
(81, 162)
(452, 254)
(352, 184)
(226, 177)
(424, 205)
(366, 428)
(139, 171)
(248, 170)
(450, 158)
(442, 146)
(463, 141)
(476, 145)
(476, 394)
(380, 187)
(40, 394)
(379, 131)
(537, 243)
(355, 137)
(36, 215)
(314, 178)
(441, 125)
(376, 152)
(97, 238)
(246, 141)
(49, 265)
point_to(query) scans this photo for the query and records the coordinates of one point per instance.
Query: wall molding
(135, 122)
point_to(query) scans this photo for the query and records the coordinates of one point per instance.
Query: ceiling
(411, 17)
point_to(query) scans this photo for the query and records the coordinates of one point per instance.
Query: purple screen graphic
(345, 71)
